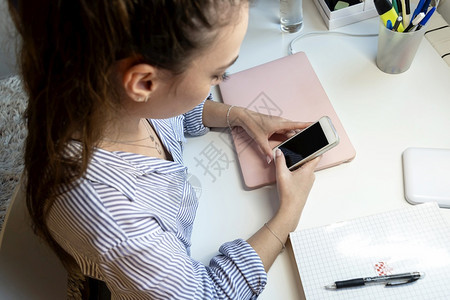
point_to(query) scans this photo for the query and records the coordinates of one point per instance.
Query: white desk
(383, 115)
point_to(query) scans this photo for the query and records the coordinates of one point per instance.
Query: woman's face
(180, 94)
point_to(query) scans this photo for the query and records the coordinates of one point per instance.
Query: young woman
(113, 87)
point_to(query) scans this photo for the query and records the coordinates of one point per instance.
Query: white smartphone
(309, 143)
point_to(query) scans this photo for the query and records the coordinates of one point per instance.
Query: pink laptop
(286, 87)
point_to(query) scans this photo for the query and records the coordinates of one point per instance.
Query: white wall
(7, 43)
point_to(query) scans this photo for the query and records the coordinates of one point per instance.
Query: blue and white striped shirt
(129, 222)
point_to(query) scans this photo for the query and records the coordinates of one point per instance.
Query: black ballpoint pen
(390, 280)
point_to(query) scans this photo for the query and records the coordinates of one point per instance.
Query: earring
(143, 99)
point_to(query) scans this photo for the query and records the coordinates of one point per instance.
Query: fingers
(291, 133)
(280, 162)
(266, 150)
(289, 126)
(279, 158)
(276, 125)
(294, 187)
(310, 165)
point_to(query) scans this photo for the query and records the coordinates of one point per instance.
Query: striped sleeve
(240, 260)
(159, 268)
(156, 265)
(193, 120)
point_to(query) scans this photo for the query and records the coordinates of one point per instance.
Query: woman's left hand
(261, 127)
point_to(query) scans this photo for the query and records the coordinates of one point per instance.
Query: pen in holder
(396, 50)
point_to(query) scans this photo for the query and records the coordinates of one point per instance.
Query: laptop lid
(286, 87)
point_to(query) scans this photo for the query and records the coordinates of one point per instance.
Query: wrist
(234, 116)
(289, 218)
(280, 228)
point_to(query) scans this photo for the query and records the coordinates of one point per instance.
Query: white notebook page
(415, 238)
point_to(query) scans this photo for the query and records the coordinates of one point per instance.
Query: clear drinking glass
(291, 15)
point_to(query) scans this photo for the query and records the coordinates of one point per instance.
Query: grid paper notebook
(411, 239)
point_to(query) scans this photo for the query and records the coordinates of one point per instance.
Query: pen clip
(400, 281)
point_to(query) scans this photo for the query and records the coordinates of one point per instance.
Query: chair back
(28, 267)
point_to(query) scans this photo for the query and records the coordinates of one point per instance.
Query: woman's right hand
(293, 187)
(293, 190)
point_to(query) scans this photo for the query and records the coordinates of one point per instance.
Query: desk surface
(383, 115)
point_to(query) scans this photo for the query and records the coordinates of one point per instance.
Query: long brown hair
(67, 53)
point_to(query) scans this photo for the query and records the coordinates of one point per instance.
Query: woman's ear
(139, 82)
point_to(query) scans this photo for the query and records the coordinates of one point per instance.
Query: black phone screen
(304, 144)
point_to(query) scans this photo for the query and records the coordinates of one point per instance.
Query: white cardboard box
(345, 16)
